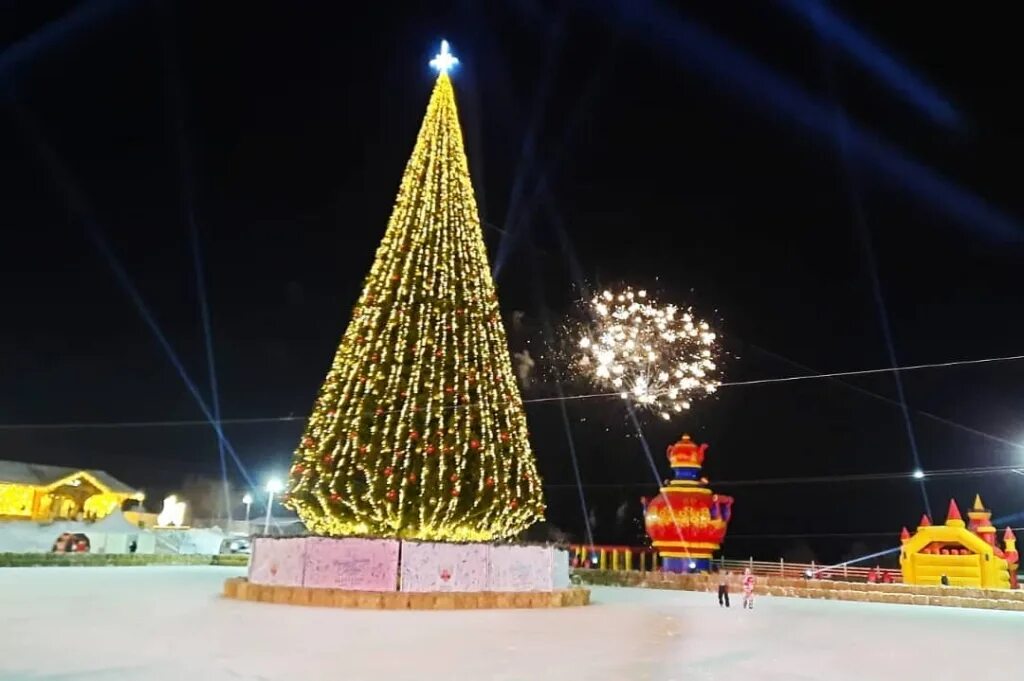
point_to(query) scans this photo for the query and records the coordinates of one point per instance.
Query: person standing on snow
(748, 589)
(723, 588)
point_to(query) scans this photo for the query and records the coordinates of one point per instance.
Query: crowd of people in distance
(69, 542)
(877, 575)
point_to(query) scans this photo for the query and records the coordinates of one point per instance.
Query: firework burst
(658, 356)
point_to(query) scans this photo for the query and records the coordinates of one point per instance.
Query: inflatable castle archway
(967, 555)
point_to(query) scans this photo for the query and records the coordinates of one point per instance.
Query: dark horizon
(652, 137)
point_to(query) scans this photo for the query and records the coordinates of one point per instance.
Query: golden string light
(418, 430)
(660, 357)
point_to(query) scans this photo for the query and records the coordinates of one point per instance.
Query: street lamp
(273, 486)
(247, 500)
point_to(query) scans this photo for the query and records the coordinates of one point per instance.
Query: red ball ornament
(380, 411)
(328, 458)
(335, 498)
(331, 414)
(513, 504)
(298, 468)
(455, 492)
(474, 444)
(395, 277)
(308, 441)
(455, 477)
(413, 435)
(387, 471)
(438, 354)
(412, 477)
(449, 390)
(430, 449)
(362, 449)
(391, 495)
(490, 481)
(505, 437)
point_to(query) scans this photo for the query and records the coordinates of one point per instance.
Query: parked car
(236, 545)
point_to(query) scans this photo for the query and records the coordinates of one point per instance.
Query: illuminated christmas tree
(418, 431)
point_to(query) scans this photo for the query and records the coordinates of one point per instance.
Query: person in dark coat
(723, 588)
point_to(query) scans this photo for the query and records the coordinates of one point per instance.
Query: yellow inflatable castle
(965, 555)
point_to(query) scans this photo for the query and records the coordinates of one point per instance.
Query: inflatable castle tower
(687, 521)
(966, 553)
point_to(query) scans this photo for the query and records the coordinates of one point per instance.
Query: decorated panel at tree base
(355, 564)
(365, 564)
(278, 562)
(429, 566)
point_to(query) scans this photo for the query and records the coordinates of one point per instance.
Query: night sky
(740, 161)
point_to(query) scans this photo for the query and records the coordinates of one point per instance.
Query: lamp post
(247, 500)
(273, 486)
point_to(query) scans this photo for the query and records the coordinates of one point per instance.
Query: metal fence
(646, 559)
(781, 568)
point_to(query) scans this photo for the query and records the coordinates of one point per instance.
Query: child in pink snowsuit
(748, 589)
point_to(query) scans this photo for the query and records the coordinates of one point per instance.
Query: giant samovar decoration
(687, 521)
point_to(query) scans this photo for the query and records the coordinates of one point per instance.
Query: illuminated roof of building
(41, 475)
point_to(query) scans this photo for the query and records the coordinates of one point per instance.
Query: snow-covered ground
(93, 624)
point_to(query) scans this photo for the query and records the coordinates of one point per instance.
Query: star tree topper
(444, 61)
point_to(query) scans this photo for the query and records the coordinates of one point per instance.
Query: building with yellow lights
(46, 493)
(966, 555)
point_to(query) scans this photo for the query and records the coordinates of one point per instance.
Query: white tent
(115, 534)
(112, 534)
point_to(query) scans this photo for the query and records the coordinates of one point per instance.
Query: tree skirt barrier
(387, 573)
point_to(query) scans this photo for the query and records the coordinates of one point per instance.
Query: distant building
(38, 492)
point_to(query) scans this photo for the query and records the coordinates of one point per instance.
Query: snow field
(94, 624)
